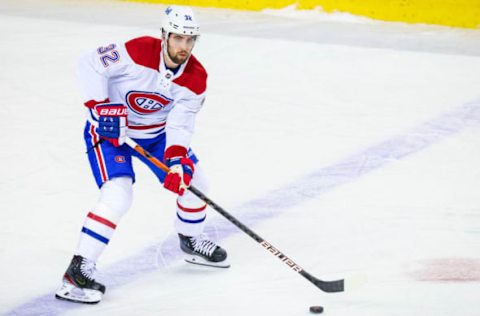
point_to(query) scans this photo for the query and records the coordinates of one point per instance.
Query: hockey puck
(316, 309)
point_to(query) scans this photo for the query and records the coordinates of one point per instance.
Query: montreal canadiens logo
(146, 102)
(120, 159)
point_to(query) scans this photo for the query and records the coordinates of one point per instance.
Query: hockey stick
(326, 286)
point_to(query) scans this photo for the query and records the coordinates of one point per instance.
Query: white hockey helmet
(180, 20)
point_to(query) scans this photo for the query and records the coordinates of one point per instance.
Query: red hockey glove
(112, 122)
(181, 169)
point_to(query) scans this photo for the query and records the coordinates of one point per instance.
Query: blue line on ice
(274, 203)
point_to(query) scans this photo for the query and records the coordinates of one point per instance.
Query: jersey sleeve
(181, 121)
(96, 67)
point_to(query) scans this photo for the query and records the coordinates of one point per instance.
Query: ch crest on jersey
(145, 103)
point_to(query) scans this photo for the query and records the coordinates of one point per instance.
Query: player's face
(180, 47)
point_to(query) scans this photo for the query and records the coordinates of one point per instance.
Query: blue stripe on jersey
(191, 221)
(93, 234)
(162, 130)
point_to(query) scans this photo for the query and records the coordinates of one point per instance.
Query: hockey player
(148, 89)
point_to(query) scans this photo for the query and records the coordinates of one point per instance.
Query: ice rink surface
(351, 145)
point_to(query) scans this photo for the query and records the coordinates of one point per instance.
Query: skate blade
(203, 262)
(70, 292)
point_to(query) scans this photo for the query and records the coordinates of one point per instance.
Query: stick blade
(341, 285)
(331, 286)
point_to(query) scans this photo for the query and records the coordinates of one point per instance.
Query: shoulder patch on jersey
(194, 76)
(145, 51)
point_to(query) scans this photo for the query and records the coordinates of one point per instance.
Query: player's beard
(177, 58)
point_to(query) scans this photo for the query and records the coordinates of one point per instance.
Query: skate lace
(203, 246)
(88, 269)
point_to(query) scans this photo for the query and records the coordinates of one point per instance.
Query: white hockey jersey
(134, 74)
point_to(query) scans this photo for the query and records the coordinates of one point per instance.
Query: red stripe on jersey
(142, 127)
(91, 104)
(98, 153)
(194, 76)
(191, 210)
(145, 51)
(175, 151)
(102, 220)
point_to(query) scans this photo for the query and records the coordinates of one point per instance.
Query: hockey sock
(100, 223)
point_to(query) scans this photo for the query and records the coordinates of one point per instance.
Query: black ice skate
(204, 252)
(79, 284)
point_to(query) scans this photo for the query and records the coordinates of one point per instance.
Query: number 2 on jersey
(108, 55)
